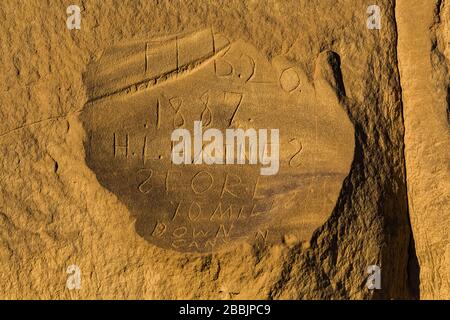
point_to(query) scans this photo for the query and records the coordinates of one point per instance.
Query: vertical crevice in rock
(422, 59)
(413, 268)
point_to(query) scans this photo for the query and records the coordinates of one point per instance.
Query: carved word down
(141, 92)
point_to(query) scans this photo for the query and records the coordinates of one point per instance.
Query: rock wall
(55, 212)
(423, 62)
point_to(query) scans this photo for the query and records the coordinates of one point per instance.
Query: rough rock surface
(423, 51)
(202, 93)
(54, 212)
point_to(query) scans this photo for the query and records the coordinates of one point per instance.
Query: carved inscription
(140, 92)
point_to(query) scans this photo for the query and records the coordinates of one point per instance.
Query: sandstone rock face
(85, 142)
(208, 204)
(423, 62)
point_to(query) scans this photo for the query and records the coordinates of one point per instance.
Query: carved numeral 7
(234, 96)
